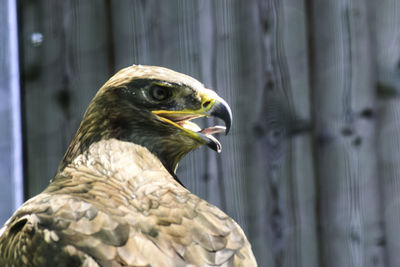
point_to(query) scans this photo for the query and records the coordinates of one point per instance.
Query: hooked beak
(221, 110)
(211, 106)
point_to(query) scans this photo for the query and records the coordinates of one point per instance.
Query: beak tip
(227, 130)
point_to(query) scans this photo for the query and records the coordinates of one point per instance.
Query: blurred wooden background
(311, 169)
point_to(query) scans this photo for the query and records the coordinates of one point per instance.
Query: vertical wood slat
(43, 134)
(226, 79)
(11, 180)
(259, 197)
(279, 166)
(385, 24)
(61, 75)
(302, 249)
(343, 98)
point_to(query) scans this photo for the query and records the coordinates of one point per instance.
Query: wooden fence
(311, 169)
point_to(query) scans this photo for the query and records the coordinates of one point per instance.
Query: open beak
(211, 106)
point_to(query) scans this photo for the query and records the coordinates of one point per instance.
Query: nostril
(206, 104)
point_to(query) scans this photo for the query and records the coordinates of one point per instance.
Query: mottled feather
(143, 217)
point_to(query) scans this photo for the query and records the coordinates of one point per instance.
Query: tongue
(213, 130)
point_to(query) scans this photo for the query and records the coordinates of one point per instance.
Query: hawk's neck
(121, 161)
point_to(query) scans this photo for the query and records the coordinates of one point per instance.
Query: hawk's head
(153, 107)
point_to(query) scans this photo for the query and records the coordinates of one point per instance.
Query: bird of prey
(115, 199)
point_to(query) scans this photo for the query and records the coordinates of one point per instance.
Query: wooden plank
(275, 112)
(61, 75)
(343, 105)
(385, 21)
(11, 180)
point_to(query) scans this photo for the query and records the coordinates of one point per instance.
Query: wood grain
(61, 75)
(385, 24)
(343, 96)
(279, 163)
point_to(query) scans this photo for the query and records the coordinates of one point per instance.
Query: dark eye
(160, 93)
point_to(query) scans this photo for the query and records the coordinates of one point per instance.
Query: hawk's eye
(160, 93)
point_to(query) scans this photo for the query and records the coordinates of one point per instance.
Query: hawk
(115, 199)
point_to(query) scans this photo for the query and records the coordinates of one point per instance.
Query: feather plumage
(114, 202)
